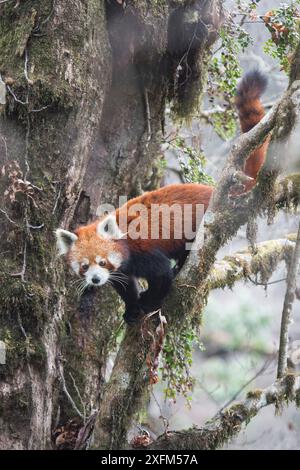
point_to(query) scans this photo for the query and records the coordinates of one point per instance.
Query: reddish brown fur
(173, 194)
(90, 245)
(251, 113)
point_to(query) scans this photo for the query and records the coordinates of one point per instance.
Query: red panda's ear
(64, 240)
(109, 229)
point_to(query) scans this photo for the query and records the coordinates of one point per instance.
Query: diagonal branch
(229, 422)
(222, 206)
(244, 263)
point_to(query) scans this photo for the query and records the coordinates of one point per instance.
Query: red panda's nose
(95, 280)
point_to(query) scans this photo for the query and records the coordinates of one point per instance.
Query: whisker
(120, 278)
(119, 273)
(80, 288)
(115, 275)
(76, 281)
(121, 283)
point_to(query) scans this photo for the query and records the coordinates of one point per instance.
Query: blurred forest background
(241, 326)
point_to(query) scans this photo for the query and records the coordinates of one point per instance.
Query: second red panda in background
(101, 252)
(251, 112)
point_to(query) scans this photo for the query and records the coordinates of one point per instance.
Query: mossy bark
(86, 85)
(58, 67)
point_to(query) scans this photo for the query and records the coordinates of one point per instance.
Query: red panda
(250, 112)
(113, 249)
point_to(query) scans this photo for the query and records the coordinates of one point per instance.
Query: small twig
(64, 386)
(27, 147)
(256, 283)
(40, 109)
(56, 201)
(35, 227)
(8, 218)
(14, 96)
(161, 416)
(26, 103)
(287, 308)
(5, 147)
(148, 115)
(79, 396)
(188, 286)
(26, 65)
(27, 342)
(50, 14)
(21, 274)
(235, 396)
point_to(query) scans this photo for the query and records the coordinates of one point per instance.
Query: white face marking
(115, 259)
(96, 276)
(85, 261)
(98, 259)
(75, 266)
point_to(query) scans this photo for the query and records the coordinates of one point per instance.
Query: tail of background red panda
(251, 112)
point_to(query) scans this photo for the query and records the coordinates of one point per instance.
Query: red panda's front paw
(133, 315)
(147, 304)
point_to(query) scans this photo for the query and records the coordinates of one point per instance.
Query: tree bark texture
(86, 83)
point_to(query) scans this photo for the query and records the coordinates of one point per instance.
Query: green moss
(266, 260)
(271, 398)
(15, 29)
(237, 411)
(187, 95)
(20, 349)
(254, 394)
(27, 299)
(291, 188)
(290, 383)
(51, 70)
(16, 407)
(158, 8)
(297, 398)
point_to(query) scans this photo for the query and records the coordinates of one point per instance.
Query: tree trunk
(84, 86)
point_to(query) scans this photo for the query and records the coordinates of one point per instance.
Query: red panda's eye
(84, 267)
(102, 262)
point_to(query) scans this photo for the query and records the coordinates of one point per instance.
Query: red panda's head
(93, 252)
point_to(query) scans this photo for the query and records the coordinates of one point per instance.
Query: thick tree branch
(222, 206)
(229, 422)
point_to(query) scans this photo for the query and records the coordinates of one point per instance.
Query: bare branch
(287, 308)
(21, 274)
(8, 218)
(241, 389)
(229, 422)
(64, 386)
